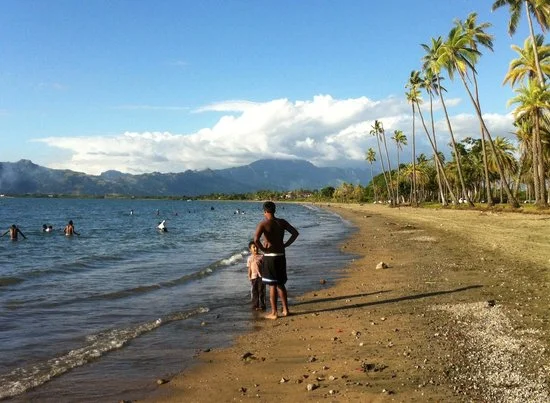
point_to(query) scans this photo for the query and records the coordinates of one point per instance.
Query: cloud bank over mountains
(324, 130)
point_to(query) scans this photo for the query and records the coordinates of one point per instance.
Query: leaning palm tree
(375, 131)
(370, 156)
(429, 84)
(540, 9)
(382, 134)
(412, 97)
(534, 105)
(460, 57)
(476, 35)
(436, 59)
(400, 140)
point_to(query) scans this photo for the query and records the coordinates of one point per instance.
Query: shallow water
(99, 317)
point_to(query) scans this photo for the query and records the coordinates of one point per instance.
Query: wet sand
(460, 313)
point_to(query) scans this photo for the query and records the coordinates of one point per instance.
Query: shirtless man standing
(69, 229)
(274, 267)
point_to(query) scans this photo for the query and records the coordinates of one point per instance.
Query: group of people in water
(14, 230)
(266, 264)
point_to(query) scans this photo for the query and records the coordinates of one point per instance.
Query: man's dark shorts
(274, 269)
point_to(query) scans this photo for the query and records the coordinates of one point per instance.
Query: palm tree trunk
(453, 142)
(534, 43)
(511, 200)
(518, 176)
(541, 178)
(414, 201)
(438, 163)
(383, 165)
(490, 202)
(439, 184)
(392, 195)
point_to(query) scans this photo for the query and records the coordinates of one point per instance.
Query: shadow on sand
(373, 303)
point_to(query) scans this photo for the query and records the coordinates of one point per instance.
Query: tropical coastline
(458, 314)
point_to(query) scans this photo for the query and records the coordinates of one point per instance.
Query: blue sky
(142, 85)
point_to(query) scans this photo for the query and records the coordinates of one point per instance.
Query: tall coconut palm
(436, 59)
(460, 57)
(540, 9)
(400, 140)
(370, 157)
(477, 35)
(524, 68)
(430, 85)
(375, 131)
(534, 105)
(382, 134)
(414, 96)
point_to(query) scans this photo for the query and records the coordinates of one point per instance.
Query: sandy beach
(460, 313)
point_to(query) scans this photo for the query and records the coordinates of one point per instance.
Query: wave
(97, 345)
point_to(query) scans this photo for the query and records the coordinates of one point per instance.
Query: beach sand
(460, 314)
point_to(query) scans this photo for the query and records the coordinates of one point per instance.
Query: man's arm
(257, 235)
(293, 234)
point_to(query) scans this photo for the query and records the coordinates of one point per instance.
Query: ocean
(101, 316)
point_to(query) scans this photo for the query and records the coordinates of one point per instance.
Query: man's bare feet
(285, 313)
(271, 316)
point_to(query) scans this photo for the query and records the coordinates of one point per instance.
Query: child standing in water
(254, 264)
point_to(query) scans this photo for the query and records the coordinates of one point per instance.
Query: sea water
(101, 316)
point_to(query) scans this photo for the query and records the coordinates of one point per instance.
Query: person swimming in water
(14, 231)
(162, 226)
(69, 229)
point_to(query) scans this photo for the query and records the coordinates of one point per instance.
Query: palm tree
(477, 35)
(460, 57)
(412, 97)
(430, 85)
(436, 59)
(370, 156)
(400, 140)
(524, 68)
(534, 105)
(537, 8)
(375, 131)
(382, 134)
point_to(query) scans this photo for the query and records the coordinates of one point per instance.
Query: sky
(144, 86)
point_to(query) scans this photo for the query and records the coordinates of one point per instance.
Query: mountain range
(25, 177)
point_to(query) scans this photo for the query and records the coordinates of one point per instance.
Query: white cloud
(323, 130)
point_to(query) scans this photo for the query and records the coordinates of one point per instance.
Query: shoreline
(411, 332)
